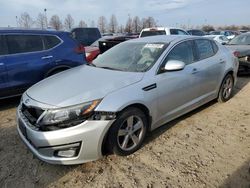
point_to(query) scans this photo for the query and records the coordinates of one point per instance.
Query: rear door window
(204, 48)
(3, 46)
(24, 43)
(153, 33)
(51, 41)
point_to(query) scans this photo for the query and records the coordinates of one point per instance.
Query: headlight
(69, 116)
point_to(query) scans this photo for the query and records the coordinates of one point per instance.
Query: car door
(209, 67)
(177, 90)
(25, 63)
(3, 71)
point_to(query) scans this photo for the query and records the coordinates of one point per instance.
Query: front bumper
(87, 137)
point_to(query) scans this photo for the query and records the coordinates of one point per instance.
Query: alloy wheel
(130, 133)
(227, 88)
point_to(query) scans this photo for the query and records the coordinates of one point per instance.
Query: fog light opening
(67, 153)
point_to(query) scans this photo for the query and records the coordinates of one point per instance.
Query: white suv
(162, 31)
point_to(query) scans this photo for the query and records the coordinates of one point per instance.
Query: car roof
(160, 28)
(164, 38)
(33, 31)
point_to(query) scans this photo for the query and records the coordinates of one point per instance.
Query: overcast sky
(166, 12)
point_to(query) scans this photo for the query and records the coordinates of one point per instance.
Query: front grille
(31, 113)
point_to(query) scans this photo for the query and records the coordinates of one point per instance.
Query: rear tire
(226, 89)
(127, 133)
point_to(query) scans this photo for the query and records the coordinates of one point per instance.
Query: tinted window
(86, 36)
(182, 52)
(24, 43)
(204, 48)
(3, 47)
(196, 32)
(153, 33)
(177, 32)
(51, 41)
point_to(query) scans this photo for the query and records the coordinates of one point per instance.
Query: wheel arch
(60, 67)
(140, 106)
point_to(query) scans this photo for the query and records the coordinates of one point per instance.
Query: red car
(103, 44)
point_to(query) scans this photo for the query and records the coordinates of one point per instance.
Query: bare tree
(69, 22)
(25, 20)
(113, 24)
(136, 24)
(55, 22)
(41, 21)
(82, 24)
(128, 27)
(121, 29)
(207, 28)
(92, 24)
(148, 22)
(102, 24)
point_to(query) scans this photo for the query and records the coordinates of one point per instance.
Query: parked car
(219, 38)
(86, 36)
(243, 31)
(162, 31)
(28, 56)
(107, 43)
(131, 89)
(93, 50)
(103, 44)
(196, 32)
(228, 33)
(240, 45)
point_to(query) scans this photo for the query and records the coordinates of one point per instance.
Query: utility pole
(46, 21)
(16, 21)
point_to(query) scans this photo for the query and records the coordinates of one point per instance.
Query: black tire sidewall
(113, 132)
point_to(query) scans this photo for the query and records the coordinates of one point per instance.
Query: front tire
(226, 89)
(127, 133)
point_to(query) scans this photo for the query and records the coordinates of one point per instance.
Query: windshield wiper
(110, 68)
(91, 64)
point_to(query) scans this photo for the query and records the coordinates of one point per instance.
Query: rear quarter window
(215, 47)
(3, 47)
(204, 48)
(24, 43)
(51, 41)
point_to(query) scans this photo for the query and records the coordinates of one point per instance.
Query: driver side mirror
(174, 65)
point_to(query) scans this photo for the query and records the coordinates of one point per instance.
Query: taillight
(236, 53)
(80, 49)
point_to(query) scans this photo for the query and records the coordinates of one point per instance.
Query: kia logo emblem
(26, 101)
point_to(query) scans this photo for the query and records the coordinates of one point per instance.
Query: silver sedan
(133, 88)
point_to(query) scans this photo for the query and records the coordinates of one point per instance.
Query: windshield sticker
(154, 46)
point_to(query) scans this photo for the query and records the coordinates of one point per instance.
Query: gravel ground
(209, 147)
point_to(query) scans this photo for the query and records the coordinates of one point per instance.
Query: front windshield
(241, 40)
(131, 56)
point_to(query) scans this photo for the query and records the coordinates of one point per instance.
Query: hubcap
(227, 88)
(130, 133)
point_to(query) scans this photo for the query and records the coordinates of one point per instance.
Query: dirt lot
(209, 147)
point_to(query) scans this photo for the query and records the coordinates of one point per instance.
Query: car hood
(244, 50)
(80, 84)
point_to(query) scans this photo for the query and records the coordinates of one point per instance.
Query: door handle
(194, 71)
(47, 57)
(1, 64)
